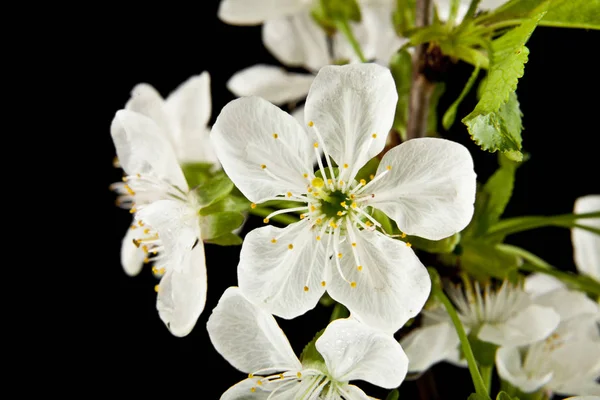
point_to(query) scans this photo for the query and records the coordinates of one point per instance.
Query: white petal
(271, 83)
(538, 283)
(568, 303)
(177, 226)
(528, 326)
(298, 114)
(429, 190)
(490, 4)
(243, 136)
(352, 392)
(391, 287)
(243, 391)
(189, 108)
(443, 9)
(254, 12)
(428, 345)
(574, 362)
(273, 276)
(381, 41)
(586, 245)
(297, 41)
(510, 368)
(132, 257)
(352, 350)
(143, 148)
(182, 292)
(348, 105)
(248, 337)
(146, 100)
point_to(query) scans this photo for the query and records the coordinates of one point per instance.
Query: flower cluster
(360, 211)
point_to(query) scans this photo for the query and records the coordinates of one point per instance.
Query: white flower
(507, 316)
(427, 186)
(566, 362)
(250, 339)
(298, 41)
(443, 7)
(166, 226)
(586, 245)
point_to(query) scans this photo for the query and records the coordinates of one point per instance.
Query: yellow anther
(363, 182)
(339, 255)
(302, 216)
(408, 244)
(281, 376)
(141, 223)
(146, 231)
(333, 224)
(317, 182)
(146, 260)
(403, 235)
(359, 268)
(309, 189)
(124, 179)
(299, 374)
(263, 166)
(371, 176)
(145, 249)
(316, 145)
(353, 244)
(250, 376)
(343, 204)
(319, 220)
(310, 123)
(353, 284)
(136, 242)
(289, 194)
(290, 246)
(305, 175)
(259, 382)
(352, 196)
(273, 240)
(138, 175)
(340, 213)
(129, 190)
(306, 288)
(345, 165)
(369, 223)
(323, 283)
(162, 271)
(275, 136)
(253, 389)
(156, 287)
(389, 167)
(253, 205)
(341, 183)
(312, 208)
(353, 205)
(133, 227)
(266, 220)
(133, 210)
(329, 181)
(318, 238)
(374, 135)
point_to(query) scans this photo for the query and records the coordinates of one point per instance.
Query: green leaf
(310, 357)
(220, 223)
(341, 10)
(326, 300)
(339, 311)
(475, 396)
(482, 260)
(505, 396)
(573, 14)
(495, 123)
(432, 116)
(368, 169)
(485, 352)
(214, 189)
(450, 114)
(393, 395)
(401, 67)
(446, 245)
(228, 239)
(196, 173)
(386, 223)
(404, 16)
(229, 203)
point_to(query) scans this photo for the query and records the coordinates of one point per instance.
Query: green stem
(285, 219)
(478, 382)
(345, 28)
(486, 374)
(534, 263)
(498, 25)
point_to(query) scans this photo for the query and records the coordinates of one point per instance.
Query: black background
(124, 348)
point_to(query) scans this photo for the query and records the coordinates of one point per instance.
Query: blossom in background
(586, 245)
(249, 338)
(427, 186)
(166, 227)
(566, 362)
(443, 7)
(508, 316)
(183, 118)
(296, 40)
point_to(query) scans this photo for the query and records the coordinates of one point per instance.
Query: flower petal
(429, 187)
(132, 257)
(391, 287)
(182, 292)
(510, 368)
(254, 12)
(189, 107)
(538, 283)
(243, 391)
(428, 345)
(276, 275)
(144, 148)
(381, 40)
(352, 392)
(528, 326)
(248, 337)
(586, 245)
(147, 101)
(568, 303)
(352, 350)
(251, 133)
(297, 41)
(352, 107)
(271, 83)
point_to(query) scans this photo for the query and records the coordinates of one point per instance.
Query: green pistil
(331, 204)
